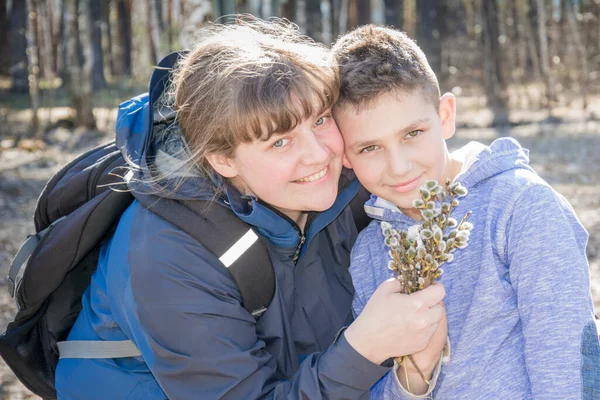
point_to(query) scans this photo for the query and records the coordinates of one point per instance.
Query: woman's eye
(414, 133)
(281, 143)
(369, 149)
(321, 121)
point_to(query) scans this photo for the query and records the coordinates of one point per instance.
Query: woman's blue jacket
(160, 288)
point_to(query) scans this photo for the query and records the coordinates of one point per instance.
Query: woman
(255, 134)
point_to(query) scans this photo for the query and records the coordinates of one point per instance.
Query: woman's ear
(447, 112)
(223, 165)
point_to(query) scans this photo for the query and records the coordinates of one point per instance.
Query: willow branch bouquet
(416, 255)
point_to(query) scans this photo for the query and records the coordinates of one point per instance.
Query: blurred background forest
(518, 54)
(529, 69)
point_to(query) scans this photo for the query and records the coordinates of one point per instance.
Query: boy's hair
(375, 60)
(248, 80)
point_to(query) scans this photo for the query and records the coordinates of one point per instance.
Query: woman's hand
(394, 324)
(426, 359)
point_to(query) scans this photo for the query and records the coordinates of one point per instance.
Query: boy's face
(399, 143)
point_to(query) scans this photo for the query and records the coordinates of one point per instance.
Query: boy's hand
(393, 324)
(426, 359)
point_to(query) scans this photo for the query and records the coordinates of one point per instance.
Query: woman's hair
(246, 81)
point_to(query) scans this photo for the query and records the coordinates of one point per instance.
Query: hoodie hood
(480, 164)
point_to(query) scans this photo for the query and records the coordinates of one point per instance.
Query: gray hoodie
(520, 314)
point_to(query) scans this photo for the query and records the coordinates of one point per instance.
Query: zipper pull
(297, 252)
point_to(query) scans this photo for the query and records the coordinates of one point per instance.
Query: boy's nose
(398, 163)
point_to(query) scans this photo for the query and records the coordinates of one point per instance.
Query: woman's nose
(316, 150)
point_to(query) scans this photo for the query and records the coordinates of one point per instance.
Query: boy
(518, 304)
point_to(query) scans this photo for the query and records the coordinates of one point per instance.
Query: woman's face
(295, 171)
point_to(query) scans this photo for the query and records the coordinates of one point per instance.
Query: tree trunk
(123, 53)
(581, 55)
(409, 15)
(17, 39)
(34, 64)
(364, 11)
(343, 17)
(108, 35)
(470, 18)
(254, 8)
(428, 35)
(45, 20)
(352, 14)
(267, 10)
(152, 53)
(313, 19)
(169, 26)
(94, 19)
(494, 82)
(326, 27)
(4, 54)
(156, 27)
(80, 85)
(377, 12)
(544, 55)
(393, 13)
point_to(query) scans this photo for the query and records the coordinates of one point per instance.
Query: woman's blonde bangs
(279, 101)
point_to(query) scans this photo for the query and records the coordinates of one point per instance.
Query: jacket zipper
(297, 252)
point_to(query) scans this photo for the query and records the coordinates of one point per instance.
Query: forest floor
(565, 150)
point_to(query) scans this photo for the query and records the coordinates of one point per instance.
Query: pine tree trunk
(352, 14)
(544, 54)
(34, 64)
(581, 56)
(17, 39)
(45, 21)
(94, 19)
(343, 17)
(313, 19)
(393, 13)
(123, 53)
(301, 15)
(80, 85)
(409, 15)
(326, 28)
(427, 38)
(4, 54)
(169, 26)
(152, 53)
(494, 82)
(156, 27)
(364, 11)
(109, 51)
(377, 12)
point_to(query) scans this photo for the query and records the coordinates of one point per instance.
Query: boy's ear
(223, 165)
(447, 112)
(346, 162)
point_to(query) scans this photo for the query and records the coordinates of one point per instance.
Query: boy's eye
(414, 133)
(281, 142)
(369, 148)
